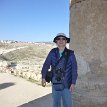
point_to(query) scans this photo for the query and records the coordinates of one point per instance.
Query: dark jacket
(71, 67)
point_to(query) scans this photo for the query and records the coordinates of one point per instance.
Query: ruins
(88, 33)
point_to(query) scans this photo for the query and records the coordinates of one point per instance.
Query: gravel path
(4, 51)
(18, 92)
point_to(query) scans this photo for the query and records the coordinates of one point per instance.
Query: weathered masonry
(88, 33)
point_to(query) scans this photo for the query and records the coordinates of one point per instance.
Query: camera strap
(64, 54)
(57, 62)
(67, 53)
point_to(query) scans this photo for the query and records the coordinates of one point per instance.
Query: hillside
(24, 59)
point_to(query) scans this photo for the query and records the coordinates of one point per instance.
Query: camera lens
(58, 78)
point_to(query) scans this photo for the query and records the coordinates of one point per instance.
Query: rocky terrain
(24, 59)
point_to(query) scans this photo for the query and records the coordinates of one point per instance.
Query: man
(67, 68)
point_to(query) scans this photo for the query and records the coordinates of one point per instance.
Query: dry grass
(28, 53)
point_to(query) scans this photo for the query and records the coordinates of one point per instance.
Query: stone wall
(88, 33)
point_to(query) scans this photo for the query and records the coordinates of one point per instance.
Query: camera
(59, 74)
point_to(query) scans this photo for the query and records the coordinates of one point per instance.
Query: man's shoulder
(70, 51)
(53, 49)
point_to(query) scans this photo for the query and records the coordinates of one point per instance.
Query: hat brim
(55, 39)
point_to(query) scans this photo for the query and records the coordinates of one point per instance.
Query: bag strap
(66, 57)
(57, 62)
(64, 54)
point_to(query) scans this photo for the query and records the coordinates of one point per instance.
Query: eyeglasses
(61, 38)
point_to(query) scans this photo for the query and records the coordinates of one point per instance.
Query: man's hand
(72, 87)
(43, 82)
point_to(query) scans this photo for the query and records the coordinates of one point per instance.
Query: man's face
(61, 41)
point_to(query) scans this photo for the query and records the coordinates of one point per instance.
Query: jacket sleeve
(46, 65)
(74, 69)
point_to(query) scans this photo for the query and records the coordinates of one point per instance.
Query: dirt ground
(18, 92)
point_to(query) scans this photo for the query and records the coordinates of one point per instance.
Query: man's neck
(61, 48)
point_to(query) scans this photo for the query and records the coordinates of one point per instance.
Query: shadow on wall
(45, 101)
(5, 85)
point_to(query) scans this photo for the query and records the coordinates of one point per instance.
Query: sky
(33, 20)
